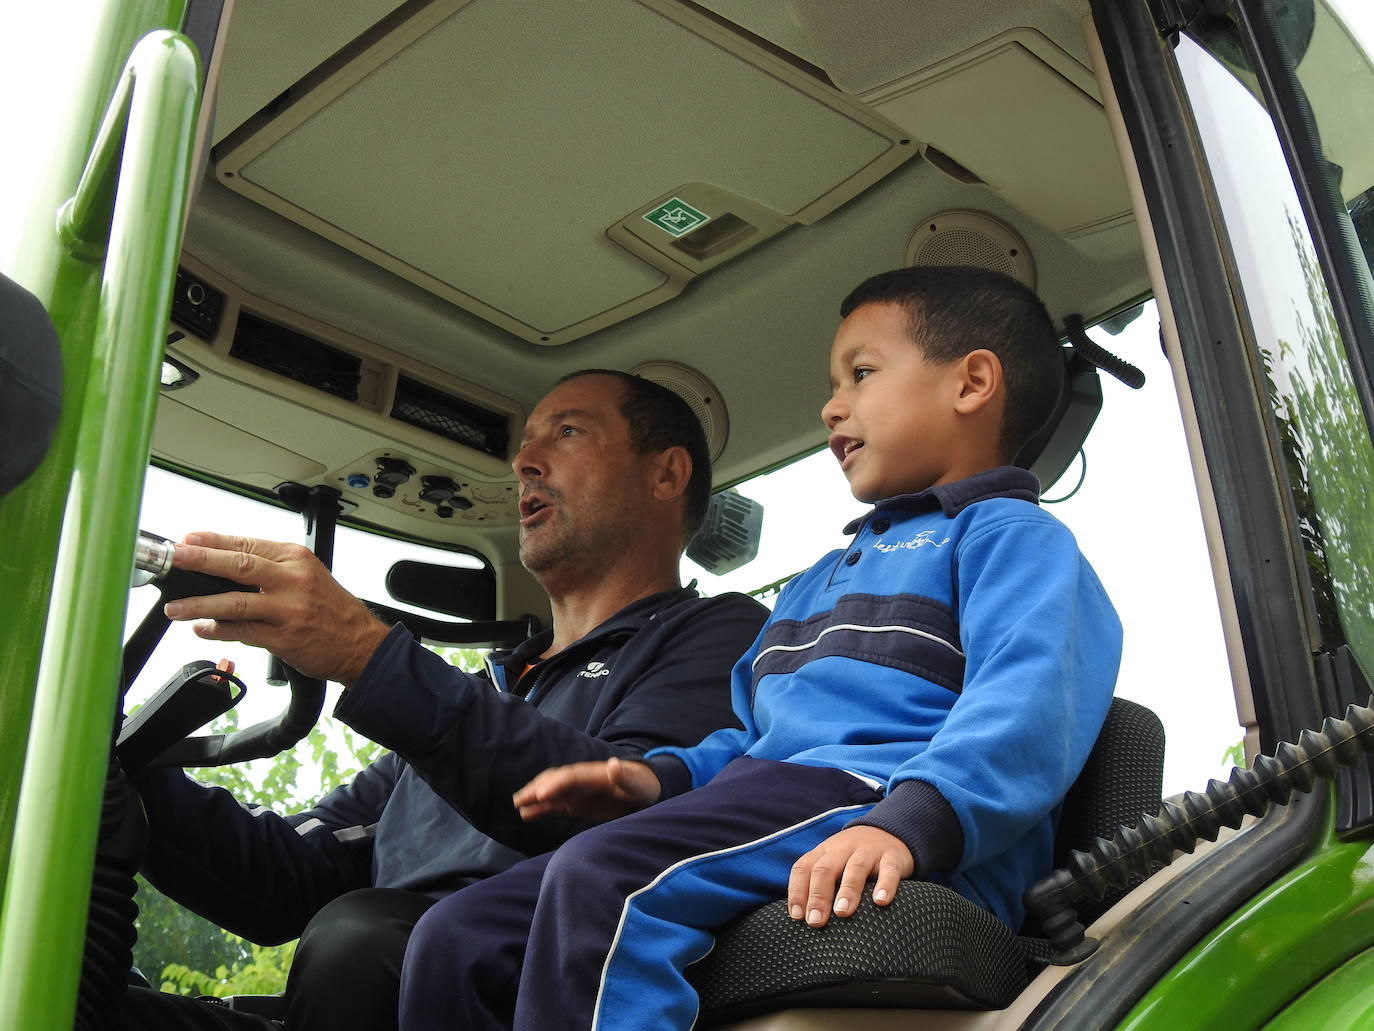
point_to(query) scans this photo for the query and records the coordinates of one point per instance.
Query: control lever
(153, 565)
(191, 698)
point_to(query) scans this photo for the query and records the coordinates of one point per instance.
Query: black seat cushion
(931, 948)
(30, 383)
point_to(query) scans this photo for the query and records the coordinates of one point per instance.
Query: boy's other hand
(852, 857)
(593, 791)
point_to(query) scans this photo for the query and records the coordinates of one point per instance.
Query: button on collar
(852, 557)
(881, 526)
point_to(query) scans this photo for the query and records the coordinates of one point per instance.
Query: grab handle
(128, 209)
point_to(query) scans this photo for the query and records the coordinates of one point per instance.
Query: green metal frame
(86, 47)
(1344, 998)
(128, 210)
(1300, 928)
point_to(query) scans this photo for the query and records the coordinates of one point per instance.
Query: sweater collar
(952, 498)
(624, 622)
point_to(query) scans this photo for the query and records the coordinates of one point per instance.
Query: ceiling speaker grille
(699, 393)
(971, 238)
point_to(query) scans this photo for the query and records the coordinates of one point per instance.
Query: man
(614, 479)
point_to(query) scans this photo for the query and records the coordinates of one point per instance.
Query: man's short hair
(660, 419)
(954, 309)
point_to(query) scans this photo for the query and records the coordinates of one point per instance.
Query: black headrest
(30, 383)
(1051, 449)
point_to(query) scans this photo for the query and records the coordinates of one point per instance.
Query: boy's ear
(980, 381)
(672, 470)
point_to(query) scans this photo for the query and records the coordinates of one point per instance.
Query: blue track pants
(597, 935)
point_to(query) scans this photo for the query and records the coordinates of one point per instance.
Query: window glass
(1137, 519)
(1322, 428)
(1337, 76)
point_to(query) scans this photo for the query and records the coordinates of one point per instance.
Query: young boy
(917, 705)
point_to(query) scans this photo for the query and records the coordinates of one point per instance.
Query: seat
(930, 948)
(30, 383)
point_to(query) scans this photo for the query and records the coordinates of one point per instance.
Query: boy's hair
(954, 309)
(660, 419)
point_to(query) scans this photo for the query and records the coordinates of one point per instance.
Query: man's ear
(980, 381)
(672, 471)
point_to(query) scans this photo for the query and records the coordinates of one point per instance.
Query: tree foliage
(185, 954)
(1235, 755)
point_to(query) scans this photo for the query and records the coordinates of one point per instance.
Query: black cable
(111, 912)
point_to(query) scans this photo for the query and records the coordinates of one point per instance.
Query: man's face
(890, 411)
(581, 483)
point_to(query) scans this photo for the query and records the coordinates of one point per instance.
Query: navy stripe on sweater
(909, 632)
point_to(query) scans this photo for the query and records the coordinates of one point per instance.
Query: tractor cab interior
(414, 217)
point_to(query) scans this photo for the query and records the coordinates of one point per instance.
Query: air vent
(460, 421)
(296, 356)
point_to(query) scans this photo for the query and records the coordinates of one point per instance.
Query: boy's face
(891, 412)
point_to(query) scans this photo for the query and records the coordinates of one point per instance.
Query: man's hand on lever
(300, 613)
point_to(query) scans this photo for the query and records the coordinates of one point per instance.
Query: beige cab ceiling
(473, 120)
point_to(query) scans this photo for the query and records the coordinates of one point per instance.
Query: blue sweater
(962, 654)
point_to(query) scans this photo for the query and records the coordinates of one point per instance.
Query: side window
(1137, 519)
(1323, 434)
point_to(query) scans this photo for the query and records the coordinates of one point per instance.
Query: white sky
(1136, 516)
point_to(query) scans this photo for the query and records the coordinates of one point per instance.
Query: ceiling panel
(487, 157)
(272, 44)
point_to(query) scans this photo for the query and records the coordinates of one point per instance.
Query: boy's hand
(594, 791)
(853, 857)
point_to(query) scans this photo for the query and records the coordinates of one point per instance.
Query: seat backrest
(30, 383)
(1122, 780)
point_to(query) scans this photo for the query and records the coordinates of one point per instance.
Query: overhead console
(554, 173)
(401, 440)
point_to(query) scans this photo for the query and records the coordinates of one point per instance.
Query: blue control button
(359, 480)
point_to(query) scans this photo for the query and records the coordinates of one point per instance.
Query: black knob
(391, 473)
(444, 512)
(437, 490)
